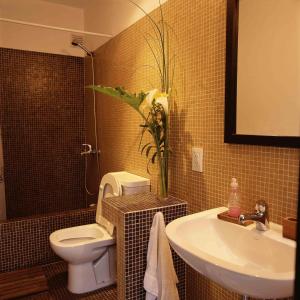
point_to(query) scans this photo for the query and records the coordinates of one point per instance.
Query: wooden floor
(56, 275)
(22, 282)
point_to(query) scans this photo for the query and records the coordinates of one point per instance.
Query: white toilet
(90, 249)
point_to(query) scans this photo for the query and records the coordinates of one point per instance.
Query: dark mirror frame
(230, 135)
(297, 279)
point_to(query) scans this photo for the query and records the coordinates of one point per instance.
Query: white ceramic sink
(242, 259)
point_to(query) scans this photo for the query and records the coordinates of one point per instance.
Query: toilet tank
(133, 184)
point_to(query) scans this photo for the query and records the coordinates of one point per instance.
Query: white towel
(160, 277)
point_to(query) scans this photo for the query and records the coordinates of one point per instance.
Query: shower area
(49, 156)
(49, 133)
(42, 125)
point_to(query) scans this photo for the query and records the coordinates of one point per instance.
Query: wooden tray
(289, 228)
(224, 216)
(22, 283)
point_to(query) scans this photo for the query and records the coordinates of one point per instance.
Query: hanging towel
(160, 277)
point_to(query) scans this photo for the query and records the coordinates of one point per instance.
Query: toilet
(89, 249)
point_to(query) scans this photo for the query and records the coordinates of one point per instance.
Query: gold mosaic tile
(197, 119)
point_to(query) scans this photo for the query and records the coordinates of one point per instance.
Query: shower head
(80, 45)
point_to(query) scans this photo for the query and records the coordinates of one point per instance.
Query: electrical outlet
(197, 159)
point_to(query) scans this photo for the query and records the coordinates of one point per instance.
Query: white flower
(163, 100)
(150, 97)
(154, 96)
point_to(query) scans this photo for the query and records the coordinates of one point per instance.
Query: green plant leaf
(162, 139)
(121, 94)
(142, 135)
(141, 96)
(144, 147)
(148, 150)
(145, 127)
(148, 164)
(153, 157)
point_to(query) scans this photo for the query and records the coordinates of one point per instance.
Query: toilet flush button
(197, 159)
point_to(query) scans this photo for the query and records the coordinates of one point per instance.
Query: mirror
(262, 104)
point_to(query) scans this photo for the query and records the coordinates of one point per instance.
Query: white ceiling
(98, 16)
(74, 3)
(85, 3)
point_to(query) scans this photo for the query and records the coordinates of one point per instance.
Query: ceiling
(98, 16)
(84, 3)
(74, 3)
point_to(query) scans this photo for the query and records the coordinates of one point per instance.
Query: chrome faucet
(261, 216)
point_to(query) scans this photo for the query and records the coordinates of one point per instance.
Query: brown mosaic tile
(42, 121)
(133, 231)
(140, 202)
(25, 243)
(197, 120)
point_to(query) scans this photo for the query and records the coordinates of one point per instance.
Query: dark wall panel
(42, 119)
(25, 242)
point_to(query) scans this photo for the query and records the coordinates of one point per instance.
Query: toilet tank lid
(131, 180)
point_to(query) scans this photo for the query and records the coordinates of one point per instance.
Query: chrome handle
(261, 216)
(88, 150)
(261, 206)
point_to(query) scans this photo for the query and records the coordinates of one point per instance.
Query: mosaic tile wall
(42, 120)
(133, 223)
(25, 243)
(197, 120)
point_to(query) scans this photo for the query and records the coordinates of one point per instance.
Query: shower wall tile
(42, 120)
(25, 242)
(196, 120)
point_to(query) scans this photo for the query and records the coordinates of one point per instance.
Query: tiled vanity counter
(132, 215)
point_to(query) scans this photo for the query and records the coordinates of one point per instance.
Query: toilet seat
(109, 181)
(81, 235)
(112, 180)
(81, 244)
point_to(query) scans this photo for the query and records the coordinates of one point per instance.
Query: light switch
(197, 159)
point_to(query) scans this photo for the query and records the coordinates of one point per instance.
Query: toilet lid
(109, 187)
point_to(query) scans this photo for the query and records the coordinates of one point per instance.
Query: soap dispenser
(234, 203)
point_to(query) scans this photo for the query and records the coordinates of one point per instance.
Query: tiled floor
(57, 280)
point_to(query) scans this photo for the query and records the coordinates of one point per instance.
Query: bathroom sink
(242, 259)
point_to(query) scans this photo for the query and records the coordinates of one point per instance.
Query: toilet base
(84, 278)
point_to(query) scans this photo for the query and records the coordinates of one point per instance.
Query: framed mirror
(262, 93)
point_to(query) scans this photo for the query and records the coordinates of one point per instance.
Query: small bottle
(234, 203)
